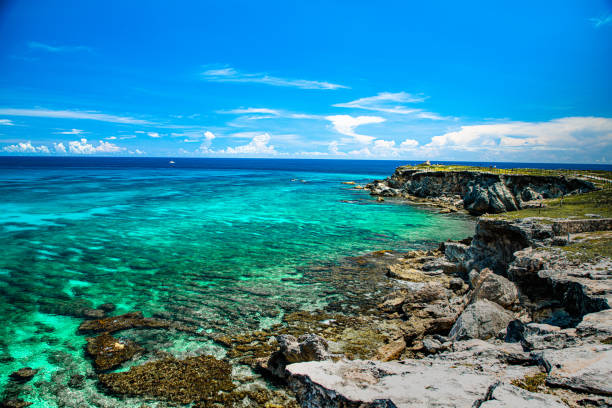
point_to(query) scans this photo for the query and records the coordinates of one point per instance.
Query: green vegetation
(596, 202)
(590, 249)
(533, 383)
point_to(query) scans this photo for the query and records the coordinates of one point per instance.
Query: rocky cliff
(478, 192)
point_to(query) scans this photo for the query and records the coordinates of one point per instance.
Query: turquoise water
(219, 249)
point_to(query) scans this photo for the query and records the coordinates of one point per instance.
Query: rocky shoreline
(528, 326)
(513, 316)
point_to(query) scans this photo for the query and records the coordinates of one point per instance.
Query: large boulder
(495, 288)
(482, 319)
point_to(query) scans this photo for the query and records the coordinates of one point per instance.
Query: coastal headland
(516, 315)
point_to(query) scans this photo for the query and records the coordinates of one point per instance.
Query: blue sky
(487, 81)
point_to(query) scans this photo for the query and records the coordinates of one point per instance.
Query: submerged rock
(23, 375)
(14, 403)
(109, 352)
(194, 379)
(133, 320)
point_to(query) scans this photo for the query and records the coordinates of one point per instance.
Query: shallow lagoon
(221, 249)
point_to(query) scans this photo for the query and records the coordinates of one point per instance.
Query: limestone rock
(597, 325)
(455, 252)
(509, 396)
(409, 383)
(482, 319)
(586, 369)
(495, 288)
(391, 351)
(308, 347)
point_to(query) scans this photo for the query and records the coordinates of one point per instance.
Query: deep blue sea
(218, 243)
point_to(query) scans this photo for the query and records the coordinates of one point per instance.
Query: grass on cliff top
(594, 176)
(590, 249)
(577, 206)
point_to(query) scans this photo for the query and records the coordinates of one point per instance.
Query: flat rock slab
(587, 368)
(597, 325)
(509, 396)
(392, 384)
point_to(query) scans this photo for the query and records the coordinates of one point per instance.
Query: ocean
(220, 244)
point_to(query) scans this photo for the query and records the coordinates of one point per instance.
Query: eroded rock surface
(410, 383)
(477, 192)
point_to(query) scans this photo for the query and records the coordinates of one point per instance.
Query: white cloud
(393, 103)
(110, 138)
(205, 146)
(25, 147)
(59, 147)
(409, 144)
(346, 125)
(601, 21)
(243, 111)
(136, 151)
(266, 113)
(562, 134)
(70, 132)
(83, 147)
(386, 148)
(232, 75)
(58, 48)
(6, 122)
(258, 145)
(153, 134)
(68, 114)
(333, 148)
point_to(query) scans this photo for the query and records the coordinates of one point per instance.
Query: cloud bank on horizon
(262, 83)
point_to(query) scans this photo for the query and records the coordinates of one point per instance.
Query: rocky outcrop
(478, 192)
(410, 383)
(308, 347)
(496, 241)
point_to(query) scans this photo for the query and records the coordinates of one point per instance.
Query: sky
(526, 81)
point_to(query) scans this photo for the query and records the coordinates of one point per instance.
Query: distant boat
(171, 162)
